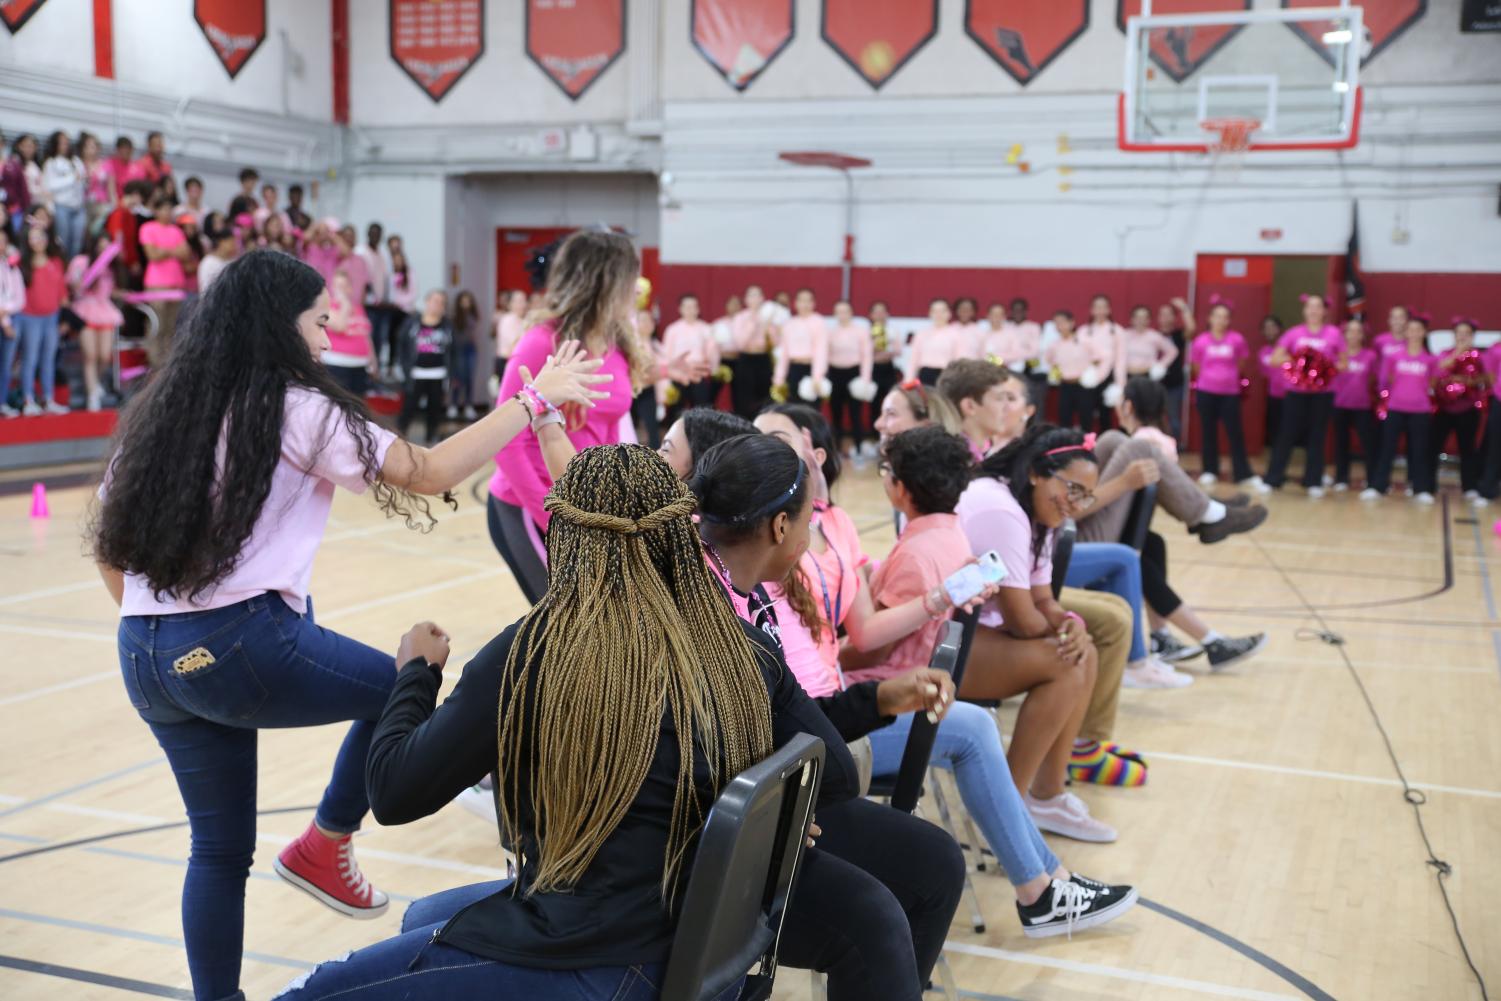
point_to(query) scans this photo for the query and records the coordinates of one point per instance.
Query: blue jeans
(1115, 569)
(969, 744)
(38, 336)
(70, 227)
(8, 349)
(265, 667)
(412, 965)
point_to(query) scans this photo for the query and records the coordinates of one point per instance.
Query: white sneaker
(1152, 672)
(95, 399)
(1340, 488)
(1067, 815)
(1370, 494)
(479, 801)
(8, 411)
(469, 413)
(1479, 502)
(1315, 493)
(1256, 484)
(1408, 491)
(1328, 480)
(1424, 498)
(30, 409)
(869, 450)
(452, 413)
(56, 409)
(1472, 495)
(1208, 479)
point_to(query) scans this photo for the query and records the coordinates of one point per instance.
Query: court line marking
(1256, 956)
(1313, 773)
(396, 525)
(61, 686)
(1116, 972)
(51, 592)
(1490, 594)
(416, 592)
(97, 979)
(139, 936)
(91, 783)
(57, 634)
(1380, 665)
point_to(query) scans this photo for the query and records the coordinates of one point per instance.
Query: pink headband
(1086, 446)
(1218, 300)
(1422, 318)
(1457, 320)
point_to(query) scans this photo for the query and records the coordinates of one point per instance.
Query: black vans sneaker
(1171, 650)
(1079, 903)
(1231, 650)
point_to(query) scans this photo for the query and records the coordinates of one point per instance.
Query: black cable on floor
(1413, 797)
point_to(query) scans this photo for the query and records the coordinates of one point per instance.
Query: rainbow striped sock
(1092, 762)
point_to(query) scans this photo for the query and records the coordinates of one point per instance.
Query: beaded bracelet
(540, 403)
(525, 403)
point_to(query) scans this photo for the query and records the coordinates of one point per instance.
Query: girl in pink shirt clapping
(1407, 380)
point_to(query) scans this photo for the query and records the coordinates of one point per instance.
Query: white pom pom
(1113, 395)
(1090, 379)
(1019, 367)
(863, 390)
(825, 389)
(805, 389)
(1157, 372)
(768, 310)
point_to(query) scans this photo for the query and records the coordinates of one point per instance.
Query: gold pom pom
(779, 393)
(724, 374)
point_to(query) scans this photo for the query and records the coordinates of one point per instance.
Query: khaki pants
(1108, 619)
(1177, 493)
(158, 347)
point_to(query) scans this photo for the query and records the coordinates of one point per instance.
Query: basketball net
(1231, 139)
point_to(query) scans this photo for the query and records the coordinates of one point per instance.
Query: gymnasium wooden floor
(1274, 852)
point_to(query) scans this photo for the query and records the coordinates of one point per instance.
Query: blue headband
(765, 509)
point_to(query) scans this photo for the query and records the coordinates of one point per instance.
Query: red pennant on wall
(574, 41)
(740, 38)
(877, 37)
(1179, 52)
(234, 29)
(1024, 37)
(16, 13)
(1384, 21)
(436, 41)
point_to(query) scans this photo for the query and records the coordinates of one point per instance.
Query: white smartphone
(967, 582)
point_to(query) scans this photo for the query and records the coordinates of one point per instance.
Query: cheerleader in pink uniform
(1393, 340)
(1459, 417)
(1407, 379)
(1354, 403)
(1070, 361)
(690, 339)
(1144, 351)
(92, 281)
(967, 319)
(936, 345)
(1104, 337)
(851, 369)
(754, 330)
(509, 326)
(1490, 469)
(1306, 411)
(804, 353)
(348, 358)
(1014, 345)
(1215, 360)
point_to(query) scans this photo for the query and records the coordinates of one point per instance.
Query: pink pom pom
(1308, 370)
(1497, 527)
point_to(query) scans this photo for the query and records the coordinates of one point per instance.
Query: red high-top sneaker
(325, 868)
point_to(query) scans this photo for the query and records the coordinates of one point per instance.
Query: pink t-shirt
(931, 548)
(324, 260)
(992, 519)
(1105, 340)
(1217, 361)
(1073, 357)
(1492, 359)
(317, 454)
(1159, 439)
(805, 339)
(833, 579)
(167, 272)
(850, 347)
(935, 347)
(1276, 378)
(508, 331)
(691, 340)
(1388, 343)
(1352, 387)
(1328, 341)
(521, 476)
(1014, 342)
(1409, 381)
(1140, 350)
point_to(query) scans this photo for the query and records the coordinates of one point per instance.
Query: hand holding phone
(966, 584)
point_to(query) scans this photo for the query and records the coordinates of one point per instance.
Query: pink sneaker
(1152, 672)
(326, 870)
(1067, 815)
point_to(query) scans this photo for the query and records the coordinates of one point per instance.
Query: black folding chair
(743, 875)
(1139, 520)
(1063, 551)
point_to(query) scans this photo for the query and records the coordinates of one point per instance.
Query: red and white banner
(740, 38)
(1178, 52)
(877, 37)
(234, 29)
(436, 41)
(16, 12)
(1024, 37)
(574, 41)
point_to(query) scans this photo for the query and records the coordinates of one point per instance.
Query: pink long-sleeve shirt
(850, 347)
(521, 476)
(1328, 341)
(1408, 380)
(751, 334)
(1014, 342)
(1073, 357)
(1352, 386)
(508, 330)
(693, 340)
(1139, 351)
(935, 347)
(1105, 339)
(805, 340)
(1217, 362)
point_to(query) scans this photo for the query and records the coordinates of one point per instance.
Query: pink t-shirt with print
(1217, 362)
(166, 273)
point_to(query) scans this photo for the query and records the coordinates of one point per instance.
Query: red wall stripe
(340, 40)
(104, 39)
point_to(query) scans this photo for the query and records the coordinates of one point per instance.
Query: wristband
(542, 420)
(937, 595)
(1076, 617)
(525, 404)
(539, 402)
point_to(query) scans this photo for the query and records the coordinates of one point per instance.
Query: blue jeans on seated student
(412, 965)
(1115, 569)
(969, 745)
(205, 682)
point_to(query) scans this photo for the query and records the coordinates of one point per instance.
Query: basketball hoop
(1234, 133)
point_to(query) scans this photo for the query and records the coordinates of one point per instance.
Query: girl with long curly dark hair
(213, 507)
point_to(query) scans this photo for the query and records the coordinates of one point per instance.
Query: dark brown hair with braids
(633, 625)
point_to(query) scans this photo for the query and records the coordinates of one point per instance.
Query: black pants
(1273, 426)
(796, 372)
(1104, 416)
(844, 924)
(1159, 596)
(1216, 409)
(692, 395)
(843, 407)
(929, 376)
(644, 416)
(1465, 426)
(508, 532)
(430, 392)
(1305, 423)
(1037, 389)
(1075, 406)
(885, 376)
(500, 367)
(1363, 424)
(751, 388)
(1418, 428)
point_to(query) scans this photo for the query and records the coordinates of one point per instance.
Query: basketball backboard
(1189, 75)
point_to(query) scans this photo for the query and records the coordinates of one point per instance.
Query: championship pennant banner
(1179, 52)
(234, 29)
(740, 38)
(435, 42)
(1024, 37)
(15, 13)
(574, 41)
(877, 37)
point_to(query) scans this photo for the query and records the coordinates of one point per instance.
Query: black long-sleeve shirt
(422, 755)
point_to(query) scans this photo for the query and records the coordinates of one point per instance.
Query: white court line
(391, 599)
(397, 525)
(1384, 665)
(1313, 773)
(63, 686)
(49, 592)
(1098, 970)
(61, 634)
